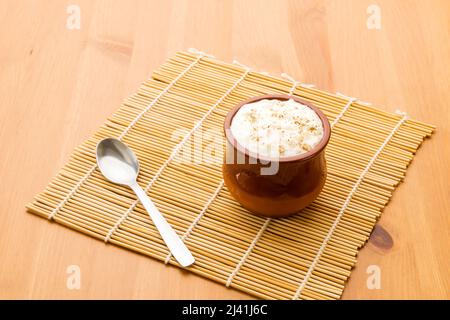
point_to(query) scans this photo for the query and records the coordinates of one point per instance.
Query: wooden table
(57, 85)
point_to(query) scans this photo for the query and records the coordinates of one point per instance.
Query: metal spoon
(119, 165)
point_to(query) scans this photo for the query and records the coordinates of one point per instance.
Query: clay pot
(293, 183)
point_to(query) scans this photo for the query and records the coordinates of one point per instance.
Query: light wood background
(58, 85)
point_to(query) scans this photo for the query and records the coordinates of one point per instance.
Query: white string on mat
(174, 153)
(343, 111)
(307, 85)
(241, 65)
(247, 253)
(199, 216)
(71, 193)
(296, 83)
(364, 103)
(267, 222)
(139, 116)
(346, 204)
(345, 96)
(196, 51)
(350, 101)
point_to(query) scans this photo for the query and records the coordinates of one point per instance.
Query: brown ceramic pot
(297, 182)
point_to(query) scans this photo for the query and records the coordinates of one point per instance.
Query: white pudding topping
(275, 128)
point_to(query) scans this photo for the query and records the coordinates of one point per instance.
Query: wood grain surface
(58, 85)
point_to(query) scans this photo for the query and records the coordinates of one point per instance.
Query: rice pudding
(277, 128)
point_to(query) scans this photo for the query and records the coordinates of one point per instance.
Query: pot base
(279, 206)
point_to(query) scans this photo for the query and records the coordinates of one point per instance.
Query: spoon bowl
(117, 162)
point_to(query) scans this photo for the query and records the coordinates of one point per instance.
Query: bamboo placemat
(306, 256)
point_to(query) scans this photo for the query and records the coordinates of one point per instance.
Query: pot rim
(304, 156)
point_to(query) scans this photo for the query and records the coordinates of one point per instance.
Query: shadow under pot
(274, 187)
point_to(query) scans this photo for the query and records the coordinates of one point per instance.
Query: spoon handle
(172, 240)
